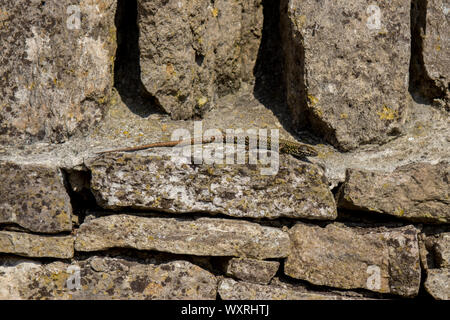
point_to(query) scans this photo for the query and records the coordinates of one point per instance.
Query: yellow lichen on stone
(388, 113)
(312, 99)
(399, 212)
(170, 70)
(215, 12)
(202, 101)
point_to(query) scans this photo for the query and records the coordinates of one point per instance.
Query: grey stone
(34, 197)
(252, 270)
(230, 289)
(436, 43)
(437, 248)
(202, 237)
(192, 51)
(159, 180)
(105, 278)
(346, 74)
(380, 260)
(437, 283)
(56, 78)
(416, 192)
(30, 245)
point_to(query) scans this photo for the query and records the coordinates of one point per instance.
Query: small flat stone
(252, 270)
(31, 245)
(438, 283)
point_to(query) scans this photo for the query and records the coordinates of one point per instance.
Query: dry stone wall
(153, 224)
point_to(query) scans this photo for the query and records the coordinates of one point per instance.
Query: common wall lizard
(285, 146)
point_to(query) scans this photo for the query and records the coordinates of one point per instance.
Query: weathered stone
(192, 51)
(437, 283)
(202, 237)
(436, 43)
(158, 181)
(252, 270)
(55, 67)
(34, 197)
(437, 248)
(106, 278)
(380, 260)
(417, 192)
(30, 245)
(230, 289)
(346, 70)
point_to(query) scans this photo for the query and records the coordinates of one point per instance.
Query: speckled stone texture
(158, 181)
(380, 260)
(346, 74)
(195, 50)
(34, 197)
(105, 278)
(416, 192)
(252, 270)
(230, 289)
(437, 283)
(55, 81)
(31, 245)
(436, 44)
(201, 237)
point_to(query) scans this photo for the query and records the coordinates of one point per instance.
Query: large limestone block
(34, 197)
(55, 67)
(193, 51)
(158, 181)
(346, 67)
(105, 278)
(385, 260)
(201, 237)
(417, 192)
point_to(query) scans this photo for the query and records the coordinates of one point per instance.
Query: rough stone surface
(417, 192)
(252, 270)
(230, 289)
(105, 278)
(436, 43)
(34, 197)
(55, 80)
(347, 75)
(30, 245)
(437, 250)
(202, 237)
(349, 258)
(438, 283)
(157, 181)
(192, 51)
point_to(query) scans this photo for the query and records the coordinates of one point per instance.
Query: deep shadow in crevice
(127, 70)
(270, 83)
(270, 87)
(421, 87)
(78, 187)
